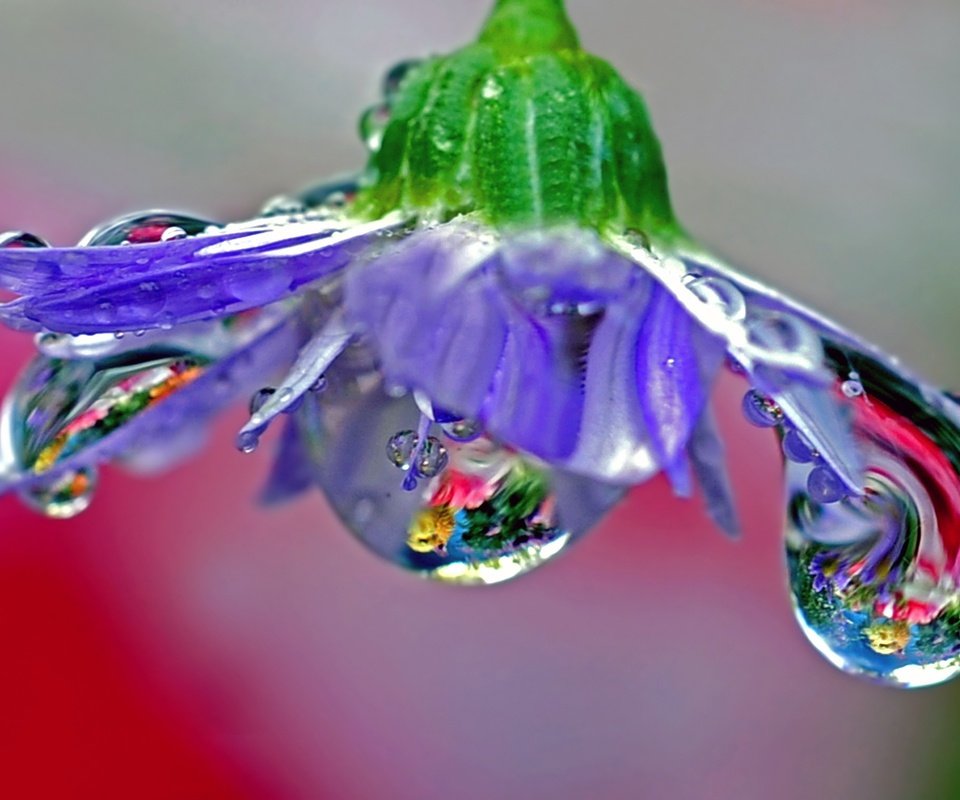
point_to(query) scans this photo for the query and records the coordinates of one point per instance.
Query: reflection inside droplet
(473, 511)
(874, 577)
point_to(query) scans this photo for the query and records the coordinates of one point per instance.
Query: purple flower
(472, 358)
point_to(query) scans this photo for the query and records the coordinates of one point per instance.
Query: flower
(500, 316)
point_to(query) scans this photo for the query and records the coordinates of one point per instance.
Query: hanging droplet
(373, 123)
(144, 227)
(721, 293)
(61, 408)
(472, 512)
(260, 397)
(797, 448)
(395, 76)
(760, 410)
(431, 459)
(401, 447)
(64, 496)
(248, 441)
(874, 577)
(462, 430)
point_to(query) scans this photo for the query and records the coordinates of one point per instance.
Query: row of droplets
(823, 485)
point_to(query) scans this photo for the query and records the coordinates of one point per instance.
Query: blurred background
(175, 641)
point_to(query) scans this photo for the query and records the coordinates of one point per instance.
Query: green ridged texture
(524, 128)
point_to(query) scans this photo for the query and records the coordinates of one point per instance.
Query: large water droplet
(61, 408)
(64, 496)
(486, 515)
(144, 227)
(874, 577)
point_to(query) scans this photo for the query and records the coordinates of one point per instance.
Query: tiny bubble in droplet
(851, 388)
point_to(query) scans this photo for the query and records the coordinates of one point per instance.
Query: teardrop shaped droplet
(61, 408)
(373, 123)
(478, 513)
(874, 577)
(64, 496)
(144, 227)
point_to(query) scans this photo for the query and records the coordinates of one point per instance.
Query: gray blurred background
(816, 143)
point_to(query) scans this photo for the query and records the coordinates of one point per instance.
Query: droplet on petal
(473, 512)
(761, 410)
(64, 495)
(874, 577)
(462, 430)
(144, 227)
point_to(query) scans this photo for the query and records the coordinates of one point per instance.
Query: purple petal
(709, 465)
(136, 287)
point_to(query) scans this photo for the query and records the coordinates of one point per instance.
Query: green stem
(529, 26)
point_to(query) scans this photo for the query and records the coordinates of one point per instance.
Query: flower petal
(138, 287)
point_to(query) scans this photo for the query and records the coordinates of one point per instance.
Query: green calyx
(524, 128)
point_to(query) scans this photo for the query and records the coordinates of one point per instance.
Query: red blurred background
(175, 641)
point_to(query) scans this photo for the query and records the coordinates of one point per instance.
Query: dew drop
(760, 410)
(395, 76)
(259, 397)
(797, 448)
(824, 486)
(851, 388)
(401, 447)
(482, 514)
(373, 123)
(462, 430)
(248, 441)
(431, 459)
(721, 293)
(144, 227)
(64, 496)
(874, 576)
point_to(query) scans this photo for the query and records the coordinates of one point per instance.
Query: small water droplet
(248, 441)
(721, 293)
(851, 388)
(64, 496)
(797, 448)
(373, 123)
(462, 430)
(259, 397)
(760, 410)
(432, 458)
(400, 448)
(395, 76)
(319, 385)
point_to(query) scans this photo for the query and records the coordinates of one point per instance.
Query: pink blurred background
(176, 641)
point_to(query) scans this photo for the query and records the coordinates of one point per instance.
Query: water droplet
(373, 123)
(824, 486)
(400, 448)
(489, 515)
(61, 407)
(248, 441)
(431, 459)
(761, 410)
(851, 388)
(319, 385)
(260, 397)
(462, 430)
(395, 76)
(874, 576)
(21, 239)
(144, 227)
(64, 496)
(721, 293)
(797, 448)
